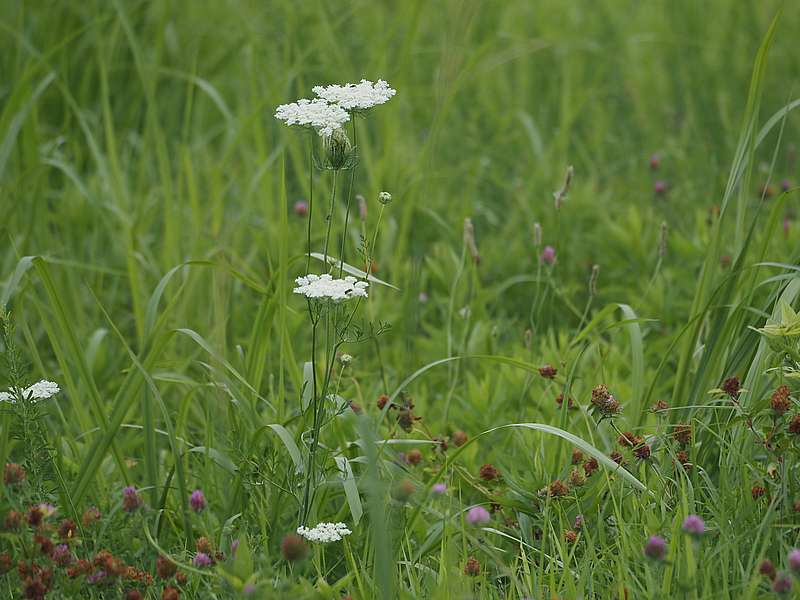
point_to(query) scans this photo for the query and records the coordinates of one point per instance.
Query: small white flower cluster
(317, 113)
(356, 96)
(41, 390)
(330, 110)
(327, 288)
(324, 533)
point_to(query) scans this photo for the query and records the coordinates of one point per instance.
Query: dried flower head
(682, 433)
(557, 489)
(590, 466)
(732, 387)
(13, 474)
(131, 500)
(472, 567)
(779, 401)
(293, 548)
(165, 569)
(570, 536)
(617, 457)
(757, 491)
(548, 371)
(794, 425)
(459, 438)
(489, 472)
(414, 457)
(577, 456)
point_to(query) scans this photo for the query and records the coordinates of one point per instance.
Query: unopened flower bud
(469, 240)
(537, 234)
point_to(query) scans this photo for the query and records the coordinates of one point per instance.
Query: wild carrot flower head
(477, 515)
(41, 390)
(655, 548)
(325, 287)
(318, 114)
(324, 533)
(356, 96)
(197, 500)
(694, 525)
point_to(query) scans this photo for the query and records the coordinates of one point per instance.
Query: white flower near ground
(319, 114)
(356, 96)
(324, 533)
(41, 390)
(325, 287)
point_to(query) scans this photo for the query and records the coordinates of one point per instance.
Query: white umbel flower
(325, 287)
(41, 390)
(324, 533)
(356, 96)
(319, 114)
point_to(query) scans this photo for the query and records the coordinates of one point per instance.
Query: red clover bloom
(694, 525)
(655, 548)
(197, 501)
(477, 515)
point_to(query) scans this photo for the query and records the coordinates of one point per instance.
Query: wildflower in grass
(13, 474)
(660, 406)
(35, 516)
(660, 187)
(472, 567)
(576, 478)
(324, 533)
(459, 438)
(197, 501)
(548, 371)
(786, 185)
(293, 548)
(655, 548)
(12, 520)
(318, 114)
(682, 433)
(384, 197)
(694, 525)
(202, 560)
(165, 568)
(170, 593)
(590, 466)
(779, 401)
(131, 501)
(548, 255)
(133, 594)
(732, 387)
(794, 560)
(406, 419)
(794, 425)
(655, 161)
(560, 401)
(439, 488)
(325, 287)
(578, 522)
(683, 459)
(488, 472)
(403, 490)
(355, 407)
(414, 457)
(41, 390)
(766, 190)
(62, 556)
(782, 584)
(91, 516)
(5, 563)
(477, 515)
(570, 536)
(382, 400)
(203, 544)
(604, 402)
(629, 440)
(45, 544)
(249, 589)
(557, 489)
(725, 261)
(67, 530)
(356, 96)
(577, 456)
(757, 492)
(300, 208)
(537, 234)
(642, 452)
(34, 588)
(767, 569)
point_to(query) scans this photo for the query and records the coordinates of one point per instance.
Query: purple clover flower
(202, 560)
(694, 525)
(477, 515)
(655, 548)
(197, 501)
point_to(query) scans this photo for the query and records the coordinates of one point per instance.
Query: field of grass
(559, 374)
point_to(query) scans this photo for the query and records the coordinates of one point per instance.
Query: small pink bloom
(548, 255)
(301, 208)
(477, 515)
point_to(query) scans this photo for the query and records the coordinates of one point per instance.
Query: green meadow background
(141, 163)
